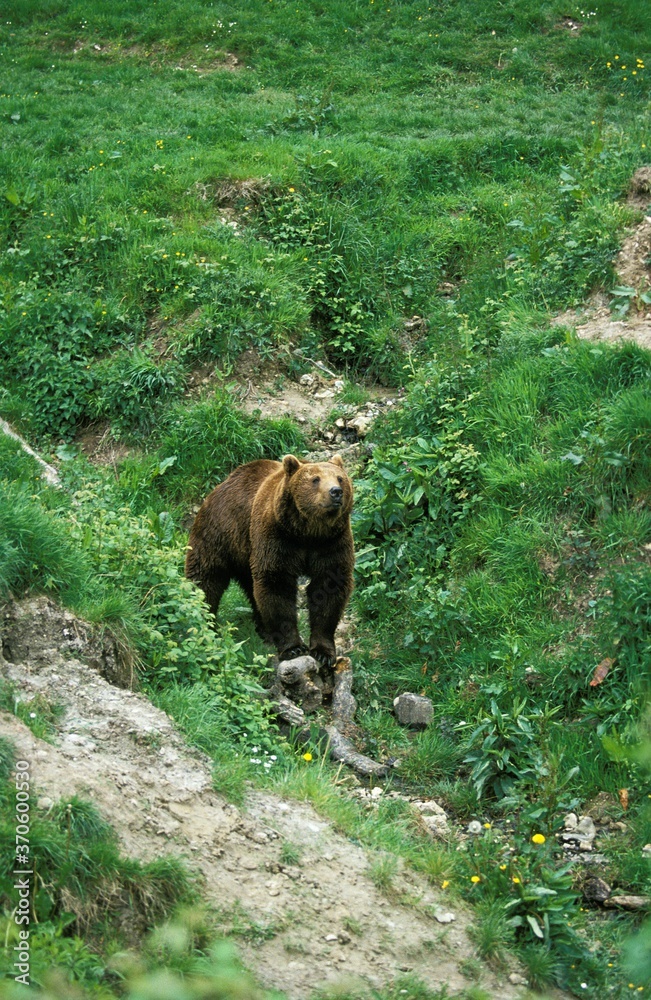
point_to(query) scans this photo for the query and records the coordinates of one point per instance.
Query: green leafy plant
(500, 749)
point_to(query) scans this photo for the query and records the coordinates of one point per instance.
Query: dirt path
(326, 921)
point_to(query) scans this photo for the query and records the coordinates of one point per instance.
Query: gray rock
(596, 890)
(413, 710)
(583, 830)
(434, 817)
(517, 979)
(586, 828)
(444, 916)
(361, 423)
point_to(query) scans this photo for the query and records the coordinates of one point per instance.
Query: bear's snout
(336, 494)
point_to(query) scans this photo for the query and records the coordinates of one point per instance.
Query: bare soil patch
(572, 24)
(100, 447)
(596, 320)
(204, 61)
(321, 921)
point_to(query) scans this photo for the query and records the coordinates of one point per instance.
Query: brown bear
(268, 524)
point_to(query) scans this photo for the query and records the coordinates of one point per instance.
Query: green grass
(164, 208)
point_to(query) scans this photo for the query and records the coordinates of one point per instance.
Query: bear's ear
(290, 465)
(336, 460)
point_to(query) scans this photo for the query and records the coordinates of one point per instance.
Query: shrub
(131, 389)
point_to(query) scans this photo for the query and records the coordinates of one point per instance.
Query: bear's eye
(316, 480)
(339, 479)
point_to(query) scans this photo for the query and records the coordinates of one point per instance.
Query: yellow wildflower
(538, 838)
(475, 879)
(307, 756)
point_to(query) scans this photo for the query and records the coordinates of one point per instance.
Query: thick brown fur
(268, 524)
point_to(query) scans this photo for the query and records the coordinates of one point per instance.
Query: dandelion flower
(445, 883)
(538, 838)
(307, 756)
(487, 826)
(475, 879)
(291, 190)
(516, 880)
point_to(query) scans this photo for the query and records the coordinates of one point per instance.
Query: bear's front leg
(275, 601)
(327, 595)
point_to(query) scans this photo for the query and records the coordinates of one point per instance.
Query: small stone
(308, 380)
(360, 423)
(274, 892)
(444, 916)
(646, 849)
(413, 710)
(44, 802)
(343, 937)
(596, 890)
(331, 937)
(431, 808)
(619, 826)
(376, 792)
(585, 845)
(570, 822)
(474, 827)
(437, 825)
(586, 828)
(517, 980)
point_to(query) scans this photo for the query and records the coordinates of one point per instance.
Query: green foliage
(501, 749)
(48, 340)
(35, 548)
(131, 388)
(501, 516)
(211, 438)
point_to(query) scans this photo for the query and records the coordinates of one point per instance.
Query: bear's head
(321, 491)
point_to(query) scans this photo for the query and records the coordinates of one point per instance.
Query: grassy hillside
(183, 181)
